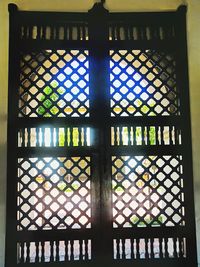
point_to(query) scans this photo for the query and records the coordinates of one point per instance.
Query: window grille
(99, 142)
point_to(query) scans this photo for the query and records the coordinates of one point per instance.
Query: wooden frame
(156, 36)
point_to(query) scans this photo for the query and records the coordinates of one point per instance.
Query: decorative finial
(12, 8)
(182, 8)
(98, 7)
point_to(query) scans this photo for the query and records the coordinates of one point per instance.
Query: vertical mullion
(99, 67)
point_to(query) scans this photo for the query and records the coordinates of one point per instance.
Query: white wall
(193, 19)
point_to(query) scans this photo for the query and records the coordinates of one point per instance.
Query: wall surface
(193, 33)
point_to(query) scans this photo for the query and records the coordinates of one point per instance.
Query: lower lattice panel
(54, 193)
(54, 251)
(147, 191)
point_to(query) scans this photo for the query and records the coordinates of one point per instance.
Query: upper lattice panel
(54, 84)
(143, 83)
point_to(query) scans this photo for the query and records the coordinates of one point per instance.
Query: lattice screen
(54, 84)
(147, 191)
(143, 83)
(47, 201)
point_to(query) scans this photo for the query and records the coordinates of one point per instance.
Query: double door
(100, 160)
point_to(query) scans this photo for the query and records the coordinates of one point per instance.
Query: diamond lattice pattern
(54, 193)
(142, 83)
(147, 191)
(54, 84)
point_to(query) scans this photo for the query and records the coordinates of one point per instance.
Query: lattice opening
(119, 31)
(143, 83)
(54, 137)
(145, 135)
(147, 191)
(54, 193)
(54, 84)
(149, 248)
(54, 251)
(71, 31)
